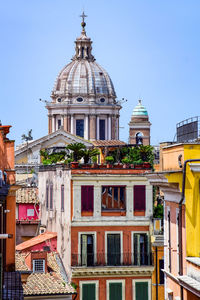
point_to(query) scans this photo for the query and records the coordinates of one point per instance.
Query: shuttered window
(115, 291)
(87, 198)
(139, 197)
(141, 291)
(89, 291)
(113, 249)
(62, 197)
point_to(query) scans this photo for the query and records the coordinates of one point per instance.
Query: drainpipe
(180, 219)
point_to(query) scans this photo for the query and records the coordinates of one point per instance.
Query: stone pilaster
(50, 124)
(92, 127)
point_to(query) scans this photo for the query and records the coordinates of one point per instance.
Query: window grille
(38, 265)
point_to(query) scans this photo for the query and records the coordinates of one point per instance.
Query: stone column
(109, 128)
(50, 124)
(68, 123)
(65, 122)
(72, 124)
(106, 128)
(86, 131)
(92, 127)
(113, 135)
(117, 128)
(53, 123)
(97, 127)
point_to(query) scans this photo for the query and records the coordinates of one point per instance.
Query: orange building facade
(103, 220)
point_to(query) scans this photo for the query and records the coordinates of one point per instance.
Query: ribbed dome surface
(140, 110)
(84, 77)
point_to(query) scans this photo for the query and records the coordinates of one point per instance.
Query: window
(80, 127)
(177, 238)
(87, 249)
(79, 99)
(113, 198)
(39, 265)
(139, 138)
(51, 196)
(161, 267)
(47, 196)
(141, 249)
(87, 198)
(115, 289)
(141, 290)
(89, 290)
(30, 212)
(102, 100)
(102, 130)
(113, 249)
(59, 124)
(139, 198)
(62, 197)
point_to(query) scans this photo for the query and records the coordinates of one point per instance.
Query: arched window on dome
(139, 138)
(82, 52)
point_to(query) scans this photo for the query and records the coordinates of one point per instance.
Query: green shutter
(141, 291)
(115, 291)
(89, 291)
(113, 249)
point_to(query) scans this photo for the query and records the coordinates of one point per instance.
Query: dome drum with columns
(83, 98)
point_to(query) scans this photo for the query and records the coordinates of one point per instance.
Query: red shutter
(139, 197)
(87, 198)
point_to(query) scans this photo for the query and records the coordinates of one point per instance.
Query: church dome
(83, 76)
(139, 110)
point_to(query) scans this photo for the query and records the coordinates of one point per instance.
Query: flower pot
(74, 165)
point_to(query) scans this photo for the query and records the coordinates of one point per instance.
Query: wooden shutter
(139, 197)
(113, 249)
(89, 291)
(51, 196)
(115, 291)
(47, 196)
(87, 198)
(141, 291)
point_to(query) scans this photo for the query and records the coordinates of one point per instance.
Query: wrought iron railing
(112, 259)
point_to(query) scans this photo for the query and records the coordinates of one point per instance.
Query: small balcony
(112, 259)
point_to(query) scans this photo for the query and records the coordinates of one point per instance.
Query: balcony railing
(112, 259)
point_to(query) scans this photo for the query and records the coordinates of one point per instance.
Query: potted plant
(77, 153)
(126, 161)
(94, 161)
(138, 164)
(109, 160)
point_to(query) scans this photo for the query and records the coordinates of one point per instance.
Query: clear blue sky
(150, 48)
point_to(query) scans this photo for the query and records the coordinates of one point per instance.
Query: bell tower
(139, 126)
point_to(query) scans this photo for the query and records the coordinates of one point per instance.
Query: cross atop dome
(83, 24)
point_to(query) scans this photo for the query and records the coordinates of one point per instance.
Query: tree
(88, 154)
(77, 150)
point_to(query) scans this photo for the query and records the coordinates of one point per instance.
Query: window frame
(114, 209)
(41, 259)
(141, 280)
(121, 245)
(94, 241)
(132, 243)
(115, 281)
(96, 282)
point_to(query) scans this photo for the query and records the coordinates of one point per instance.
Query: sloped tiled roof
(27, 195)
(110, 143)
(36, 240)
(54, 282)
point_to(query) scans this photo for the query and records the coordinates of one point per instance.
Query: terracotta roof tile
(36, 240)
(54, 282)
(102, 143)
(27, 195)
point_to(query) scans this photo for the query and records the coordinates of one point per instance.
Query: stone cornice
(112, 271)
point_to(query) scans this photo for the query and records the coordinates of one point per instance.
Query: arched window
(139, 138)
(82, 52)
